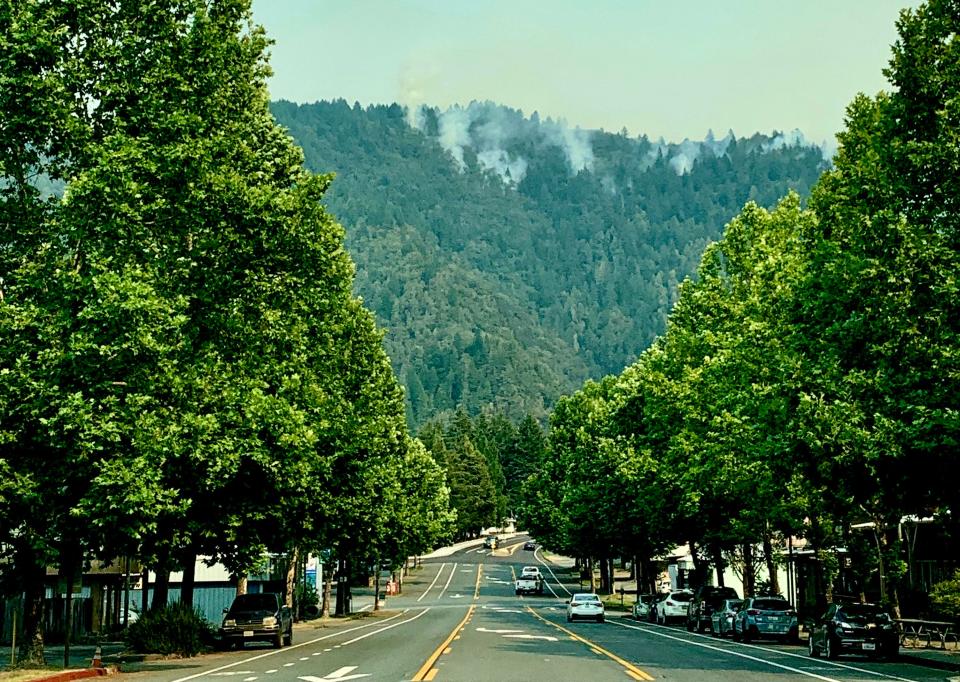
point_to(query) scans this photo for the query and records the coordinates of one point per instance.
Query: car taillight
(753, 612)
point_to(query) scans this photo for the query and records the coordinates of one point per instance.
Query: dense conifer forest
(511, 257)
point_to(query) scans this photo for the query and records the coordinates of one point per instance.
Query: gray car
(721, 620)
(766, 617)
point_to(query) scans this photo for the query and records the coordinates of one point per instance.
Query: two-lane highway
(460, 621)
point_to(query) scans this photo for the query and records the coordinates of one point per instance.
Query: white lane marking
(272, 671)
(377, 632)
(249, 679)
(452, 571)
(442, 566)
(368, 606)
(305, 658)
(317, 653)
(287, 665)
(284, 650)
(232, 672)
(804, 657)
(466, 570)
(536, 555)
(456, 596)
(499, 632)
(655, 631)
(545, 637)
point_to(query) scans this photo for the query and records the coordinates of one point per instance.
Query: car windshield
(255, 602)
(771, 604)
(861, 613)
(681, 596)
(586, 598)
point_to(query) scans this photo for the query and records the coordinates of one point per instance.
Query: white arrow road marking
(456, 596)
(546, 637)
(499, 632)
(339, 674)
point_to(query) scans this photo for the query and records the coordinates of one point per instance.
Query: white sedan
(585, 605)
(530, 570)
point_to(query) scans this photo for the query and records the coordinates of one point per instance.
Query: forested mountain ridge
(510, 258)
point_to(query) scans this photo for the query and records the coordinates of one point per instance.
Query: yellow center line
(425, 671)
(476, 592)
(630, 667)
(431, 674)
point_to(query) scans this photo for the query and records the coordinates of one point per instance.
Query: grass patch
(24, 674)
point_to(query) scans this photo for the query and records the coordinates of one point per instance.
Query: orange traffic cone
(97, 661)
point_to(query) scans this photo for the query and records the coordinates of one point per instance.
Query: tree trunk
(718, 563)
(31, 639)
(145, 591)
(889, 539)
(749, 572)
(242, 584)
(343, 588)
(327, 588)
(189, 579)
(291, 583)
(161, 588)
(771, 564)
(605, 576)
(67, 571)
(376, 587)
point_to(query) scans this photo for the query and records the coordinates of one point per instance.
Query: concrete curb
(907, 656)
(70, 675)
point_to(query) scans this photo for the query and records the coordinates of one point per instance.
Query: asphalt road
(459, 621)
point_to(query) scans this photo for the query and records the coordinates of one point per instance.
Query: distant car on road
(257, 617)
(585, 606)
(854, 628)
(529, 583)
(491, 542)
(529, 545)
(530, 570)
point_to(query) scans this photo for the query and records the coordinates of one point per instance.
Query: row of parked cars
(843, 628)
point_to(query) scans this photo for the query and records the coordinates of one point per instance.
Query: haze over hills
(509, 257)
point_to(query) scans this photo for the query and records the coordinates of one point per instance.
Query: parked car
(529, 545)
(705, 600)
(257, 617)
(585, 605)
(856, 628)
(768, 617)
(652, 616)
(491, 542)
(721, 620)
(530, 570)
(641, 608)
(674, 607)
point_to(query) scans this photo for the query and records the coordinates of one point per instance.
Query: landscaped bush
(172, 629)
(945, 598)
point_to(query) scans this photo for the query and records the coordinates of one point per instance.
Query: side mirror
(226, 609)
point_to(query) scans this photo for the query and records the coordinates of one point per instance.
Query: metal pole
(13, 639)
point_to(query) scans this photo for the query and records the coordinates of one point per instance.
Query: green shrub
(172, 629)
(945, 598)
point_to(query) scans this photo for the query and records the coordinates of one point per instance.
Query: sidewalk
(932, 658)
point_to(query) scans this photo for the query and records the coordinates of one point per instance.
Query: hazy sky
(661, 67)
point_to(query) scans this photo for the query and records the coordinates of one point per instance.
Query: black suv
(257, 617)
(705, 600)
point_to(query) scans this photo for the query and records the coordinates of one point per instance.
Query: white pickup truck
(531, 583)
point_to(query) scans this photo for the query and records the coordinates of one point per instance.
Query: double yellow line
(631, 670)
(427, 672)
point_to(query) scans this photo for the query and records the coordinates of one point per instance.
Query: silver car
(721, 620)
(768, 617)
(641, 608)
(585, 605)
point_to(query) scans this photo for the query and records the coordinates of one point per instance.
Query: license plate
(869, 646)
(248, 633)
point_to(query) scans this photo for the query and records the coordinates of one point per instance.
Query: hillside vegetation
(511, 258)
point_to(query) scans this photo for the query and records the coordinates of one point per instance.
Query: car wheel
(812, 648)
(736, 633)
(289, 638)
(278, 641)
(569, 619)
(689, 625)
(892, 652)
(829, 650)
(599, 619)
